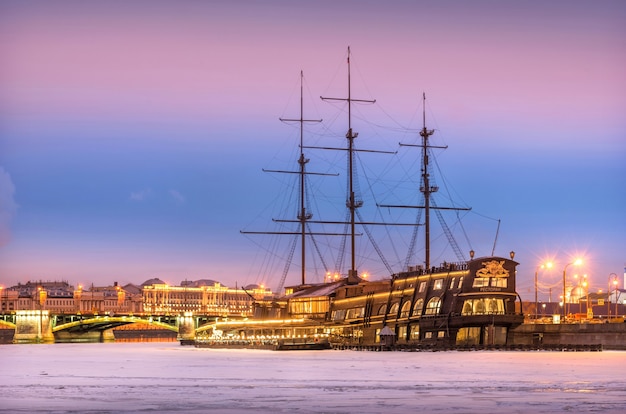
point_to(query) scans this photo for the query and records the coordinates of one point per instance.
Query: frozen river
(165, 377)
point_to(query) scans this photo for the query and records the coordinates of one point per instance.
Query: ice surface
(166, 377)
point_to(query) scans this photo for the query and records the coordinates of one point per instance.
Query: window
(433, 307)
(382, 310)
(438, 285)
(451, 283)
(468, 336)
(406, 308)
(428, 335)
(402, 332)
(394, 309)
(499, 282)
(417, 310)
(415, 332)
(441, 334)
(422, 287)
(339, 315)
(355, 313)
(460, 283)
(483, 306)
(480, 282)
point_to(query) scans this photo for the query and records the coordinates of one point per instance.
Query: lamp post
(586, 286)
(541, 266)
(614, 282)
(576, 263)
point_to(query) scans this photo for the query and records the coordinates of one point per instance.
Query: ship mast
(352, 203)
(303, 216)
(426, 189)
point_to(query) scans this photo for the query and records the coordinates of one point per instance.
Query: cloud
(141, 195)
(8, 206)
(178, 197)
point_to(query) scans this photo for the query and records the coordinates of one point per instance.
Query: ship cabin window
(394, 309)
(382, 310)
(428, 335)
(355, 313)
(490, 281)
(402, 332)
(417, 310)
(433, 307)
(441, 334)
(499, 282)
(438, 285)
(422, 287)
(452, 283)
(339, 315)
(483, 306)
(481, 282)
(406, 309)
(460, 283)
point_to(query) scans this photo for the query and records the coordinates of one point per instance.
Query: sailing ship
(467, 302)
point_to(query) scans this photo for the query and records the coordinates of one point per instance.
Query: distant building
(206, 297)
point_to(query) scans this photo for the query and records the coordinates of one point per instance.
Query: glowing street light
(612, 281)
(576, 262)
(547, 265)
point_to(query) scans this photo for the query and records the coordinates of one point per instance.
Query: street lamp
(612, 281)
(576, 263)
(541, 266)
(586, 286)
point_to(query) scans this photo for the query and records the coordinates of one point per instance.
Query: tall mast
(426, 189)
(303, 215)
(352, 203)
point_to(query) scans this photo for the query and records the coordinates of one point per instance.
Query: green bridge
(42, 326)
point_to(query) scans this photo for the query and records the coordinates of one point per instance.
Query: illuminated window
(441, 334)
(422, 287)
(468, 336)
(355, 313)
(406, 308)
(460, 283)
(382, 310)
(481, 282)
(451, 283)
(415, 332)
(483, 306)
(499, 281)
(438, 285)
(402, 332)
(339, 315)
(417, 310)
(433, 307)
(428, 335)
(394, 309)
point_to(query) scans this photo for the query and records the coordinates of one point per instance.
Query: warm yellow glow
(578, 262)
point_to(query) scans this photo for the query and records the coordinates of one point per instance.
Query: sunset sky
(133, 134)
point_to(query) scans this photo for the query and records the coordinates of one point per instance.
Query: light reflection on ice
(165, 377)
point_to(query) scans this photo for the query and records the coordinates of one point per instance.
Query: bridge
(42, 326)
